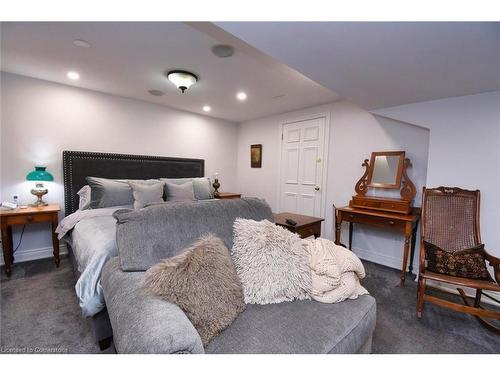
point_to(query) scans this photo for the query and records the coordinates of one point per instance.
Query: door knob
(316, 188)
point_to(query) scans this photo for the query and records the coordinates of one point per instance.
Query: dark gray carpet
(439, 331)
(40, 311)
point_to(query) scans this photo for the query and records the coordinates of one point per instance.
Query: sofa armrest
(143, 323)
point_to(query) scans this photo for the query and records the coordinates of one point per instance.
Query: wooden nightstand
(23, 216)
(228, 195)
(306, 225)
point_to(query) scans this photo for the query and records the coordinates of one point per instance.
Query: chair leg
(477, 301)
(420, 296)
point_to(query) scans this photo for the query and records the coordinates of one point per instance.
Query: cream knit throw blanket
(336, 271)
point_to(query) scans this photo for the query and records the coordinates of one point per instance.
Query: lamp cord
(20, 240)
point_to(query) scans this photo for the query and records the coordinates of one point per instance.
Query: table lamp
(39, 175)
(216, 186)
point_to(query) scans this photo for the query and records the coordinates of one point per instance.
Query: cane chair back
(450, 218)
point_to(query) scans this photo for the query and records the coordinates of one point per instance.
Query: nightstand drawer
(312, 230)
(28, 218)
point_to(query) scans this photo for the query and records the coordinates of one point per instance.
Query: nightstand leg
(7, 248)
(55, 240)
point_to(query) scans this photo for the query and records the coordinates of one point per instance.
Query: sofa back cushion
(161, 231)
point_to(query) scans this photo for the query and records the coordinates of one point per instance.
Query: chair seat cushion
(469, 263)
(299, 327)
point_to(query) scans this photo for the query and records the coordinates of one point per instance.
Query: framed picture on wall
(256, 156)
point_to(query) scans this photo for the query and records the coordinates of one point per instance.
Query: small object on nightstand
(18, 216)
(216, 186)
(39, 175)
(304, 226)
(9, 205)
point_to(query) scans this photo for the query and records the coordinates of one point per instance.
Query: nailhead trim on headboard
(70, 190)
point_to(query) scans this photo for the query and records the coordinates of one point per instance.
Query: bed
(90, 234)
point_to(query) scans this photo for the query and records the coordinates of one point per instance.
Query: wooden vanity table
(385, 170)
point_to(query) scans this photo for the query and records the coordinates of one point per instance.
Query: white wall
(464, 149)
(354, 134)
(40, 119)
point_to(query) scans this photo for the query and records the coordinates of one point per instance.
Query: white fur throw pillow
(271, 262)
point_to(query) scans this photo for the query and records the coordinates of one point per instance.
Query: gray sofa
(146, 324)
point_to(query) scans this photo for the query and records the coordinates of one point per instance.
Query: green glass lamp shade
(39, 174)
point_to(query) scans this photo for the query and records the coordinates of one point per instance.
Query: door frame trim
(312, 116)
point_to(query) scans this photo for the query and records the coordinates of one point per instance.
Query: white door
(302, 167)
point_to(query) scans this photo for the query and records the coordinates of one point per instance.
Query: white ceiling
(384, 64)
(128, 59)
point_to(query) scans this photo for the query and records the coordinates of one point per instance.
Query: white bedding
(93, 241)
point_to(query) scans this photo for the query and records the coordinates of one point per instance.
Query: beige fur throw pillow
(271, 262)
(203, 282)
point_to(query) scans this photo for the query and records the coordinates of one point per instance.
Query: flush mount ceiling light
(207, 108)
(73, 75)
(241, 96)
(182, 79)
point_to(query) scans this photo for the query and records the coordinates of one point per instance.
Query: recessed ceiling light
(81, 43)
(207, 108)
(73, 75)
(156, 92)
(223, 50)
(241, 96)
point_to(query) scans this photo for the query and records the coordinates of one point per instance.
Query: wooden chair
(450, 220)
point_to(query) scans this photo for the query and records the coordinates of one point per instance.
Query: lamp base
(216, 186)
(39, 193)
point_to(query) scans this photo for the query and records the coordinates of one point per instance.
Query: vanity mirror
(387, 170)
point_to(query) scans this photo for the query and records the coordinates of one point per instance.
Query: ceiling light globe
(241, 96)
(182, 79)
(207, 108)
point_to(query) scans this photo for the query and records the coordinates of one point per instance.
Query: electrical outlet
(15, 198)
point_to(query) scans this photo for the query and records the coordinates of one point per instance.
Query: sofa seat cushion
(299, 327)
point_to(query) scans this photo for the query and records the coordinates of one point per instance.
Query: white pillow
(84, 194)
(272, 263)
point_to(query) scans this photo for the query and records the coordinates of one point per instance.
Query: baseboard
(383, 259)
(33, 254)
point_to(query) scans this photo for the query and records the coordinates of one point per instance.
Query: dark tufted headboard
(77, 165)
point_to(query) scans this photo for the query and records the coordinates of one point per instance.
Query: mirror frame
(399, 172)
